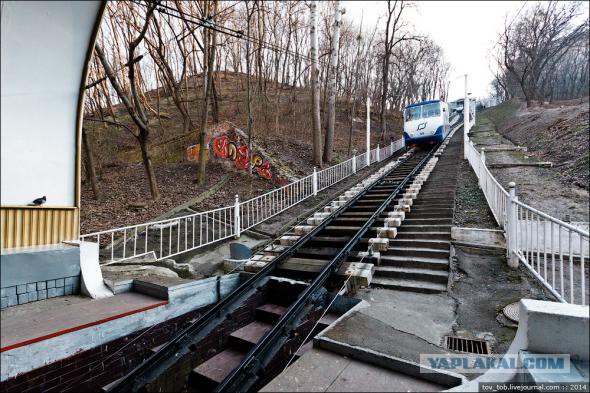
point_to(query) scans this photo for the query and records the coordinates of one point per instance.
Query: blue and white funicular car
(426, 122)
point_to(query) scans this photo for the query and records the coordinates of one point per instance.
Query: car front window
(414, 113)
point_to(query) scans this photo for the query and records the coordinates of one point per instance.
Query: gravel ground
(482, 286)
(471, 207)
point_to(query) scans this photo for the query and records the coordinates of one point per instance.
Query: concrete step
(431, 197)
(246, 337)
(429, 275)
(410, 220)
(418, 252)
(415, 262)
(408, 285)
(212, 372)
(421, 243)
(441, 188)
(450, 204)
(424, 235)
(431, 209)
(425, 228)
(418, 213)
(435, 195)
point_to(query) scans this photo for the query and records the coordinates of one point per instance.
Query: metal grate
(467, 345)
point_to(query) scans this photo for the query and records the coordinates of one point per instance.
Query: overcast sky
(466, 30)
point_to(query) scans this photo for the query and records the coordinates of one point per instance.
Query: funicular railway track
(245, 362)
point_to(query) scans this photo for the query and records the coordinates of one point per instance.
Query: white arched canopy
(44, 52)
(45, 49)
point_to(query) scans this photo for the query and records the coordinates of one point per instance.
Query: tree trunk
(352, 112)
(134, 108)
(147, 163)
(89, 164)
(215, 108)
(248, 85)
(315, 87)
(329, 142)
(384, 82)
(208, 58)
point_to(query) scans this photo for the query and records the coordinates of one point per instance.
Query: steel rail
(246, 374)
(182, 344)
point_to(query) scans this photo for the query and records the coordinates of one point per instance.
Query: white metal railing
(496, 196)
(334, 174)
(173, 236)
(165, 238)
(554, 251)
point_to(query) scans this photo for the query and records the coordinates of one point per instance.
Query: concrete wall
(185, 299)
(38, 273)
(544, 328)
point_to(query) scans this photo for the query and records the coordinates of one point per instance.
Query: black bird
(38, 201)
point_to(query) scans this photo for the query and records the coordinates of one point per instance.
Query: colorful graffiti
(223, 147)
(192, 153)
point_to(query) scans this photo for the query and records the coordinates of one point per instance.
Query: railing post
(315, 181)
(377, 153)
(237, 223)
(512, 227)
(391, 148)
(483, 156)
(354, 163)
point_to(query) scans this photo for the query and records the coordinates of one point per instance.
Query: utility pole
(315, 86)
(329, 142)
(465, 120)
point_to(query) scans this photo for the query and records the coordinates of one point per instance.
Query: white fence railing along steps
(174, 236)
(554, 251)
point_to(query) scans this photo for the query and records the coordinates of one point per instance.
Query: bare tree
(539, 40)
(133, 104)
(393, 25)
(329, 141)
(315, 87)
(208, 58)
(89, 164)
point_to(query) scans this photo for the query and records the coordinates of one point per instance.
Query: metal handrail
(236, 218)
(553, 219)
(531, 237)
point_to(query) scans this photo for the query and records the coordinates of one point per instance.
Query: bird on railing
(38, 201)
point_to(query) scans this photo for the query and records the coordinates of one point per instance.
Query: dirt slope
(556, 132)
(282, 127)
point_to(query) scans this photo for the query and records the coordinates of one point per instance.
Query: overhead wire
(210, 24)
(140, 56)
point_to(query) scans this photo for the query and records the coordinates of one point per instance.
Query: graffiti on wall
(192, 153)
(233, 149)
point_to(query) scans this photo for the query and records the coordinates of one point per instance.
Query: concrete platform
(42, 333)
(323, 371)
(40, 321)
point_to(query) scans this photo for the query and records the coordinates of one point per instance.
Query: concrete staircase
(418, 258)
